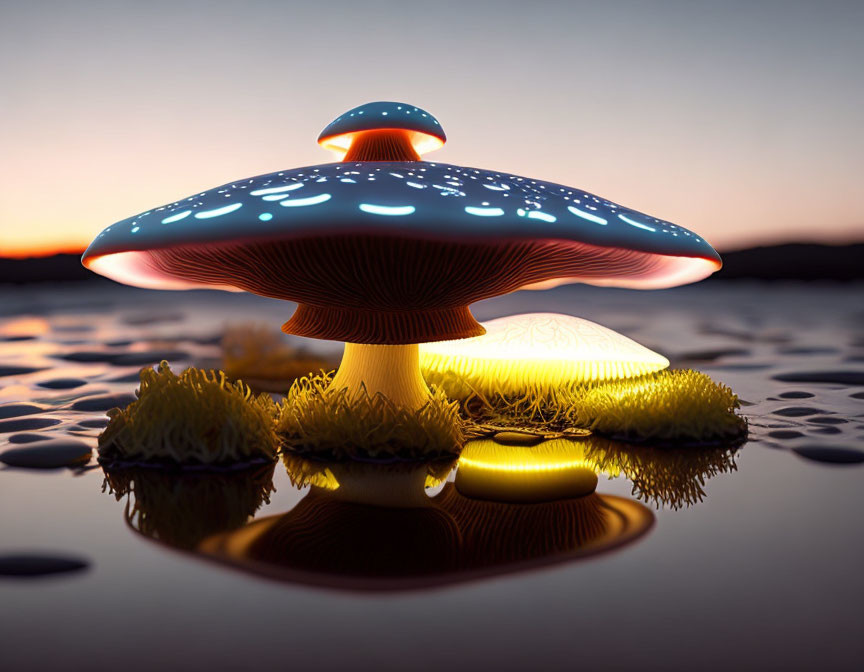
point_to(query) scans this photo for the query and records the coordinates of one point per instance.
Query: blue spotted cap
(425, 130)
(401, 199)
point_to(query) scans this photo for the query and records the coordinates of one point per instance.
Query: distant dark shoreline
(792, 261)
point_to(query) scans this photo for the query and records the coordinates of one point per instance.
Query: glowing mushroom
(383, 251)
(540, 349)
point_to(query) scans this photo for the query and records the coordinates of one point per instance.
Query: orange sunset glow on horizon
(730, 120)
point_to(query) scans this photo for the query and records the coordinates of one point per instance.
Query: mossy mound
(334, 425)
(261, 357)
(680, 406)
(198, 417)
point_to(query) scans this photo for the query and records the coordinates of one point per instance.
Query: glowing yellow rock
(555, 469)
(545, 349)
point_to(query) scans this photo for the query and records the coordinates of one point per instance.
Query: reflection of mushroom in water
(198, 417)
(551, 470)
(336, 542)
(397, 484)
(559, 371)
(181, 509)
(666, 476)
(383, 251)
(543, 531)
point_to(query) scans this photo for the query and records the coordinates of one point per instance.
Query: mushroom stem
(382, 145)
(392, 370)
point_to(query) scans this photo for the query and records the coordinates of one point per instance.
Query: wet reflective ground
(752, 558)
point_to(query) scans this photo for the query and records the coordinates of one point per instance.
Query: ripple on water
(785, 434)
(27, 437)
(24, 424)
(826, 430)
(96, 423)
(103, 402)
(796, 394)
(797, 411)
(831, 454)
(62, 383)
(828, 420)
(17, 410)
(50, 454)
(9, 370)
(838, 377)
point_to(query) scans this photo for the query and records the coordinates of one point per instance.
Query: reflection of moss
(674, 477)
(334, 424)
(181, 509)
(198, 416)
(259, 354)
(672, 405)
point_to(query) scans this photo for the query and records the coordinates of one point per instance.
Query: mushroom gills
(381, 145)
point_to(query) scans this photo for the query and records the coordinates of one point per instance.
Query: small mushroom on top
(385, 254)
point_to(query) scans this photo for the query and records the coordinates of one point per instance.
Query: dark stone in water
(16, 370)
(838, 377)
(797, 411)
(808, 351)
(785, 434)
(796, 395)
(831, 455)
(828, 420)
(27, 423)
(17, 410)
(51, 454)
(98, 423)
(517, 438)
(62, 383)
(144, 358)
(33, 565)
(27, 437)
(103, 402)
(826, 430)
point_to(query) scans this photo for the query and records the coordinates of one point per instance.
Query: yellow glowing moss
(673, 405)
(555, 469)
(260, 356)
(539, 349)
(181, 509)
(196, 417)
(673, 477)
(339, 424)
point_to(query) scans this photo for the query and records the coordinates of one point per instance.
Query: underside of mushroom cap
(394, 252)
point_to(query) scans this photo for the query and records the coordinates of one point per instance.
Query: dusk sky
(739, 120)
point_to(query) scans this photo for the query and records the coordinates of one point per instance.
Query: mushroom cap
(520, 351)
(424, 130)
(408, 200)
